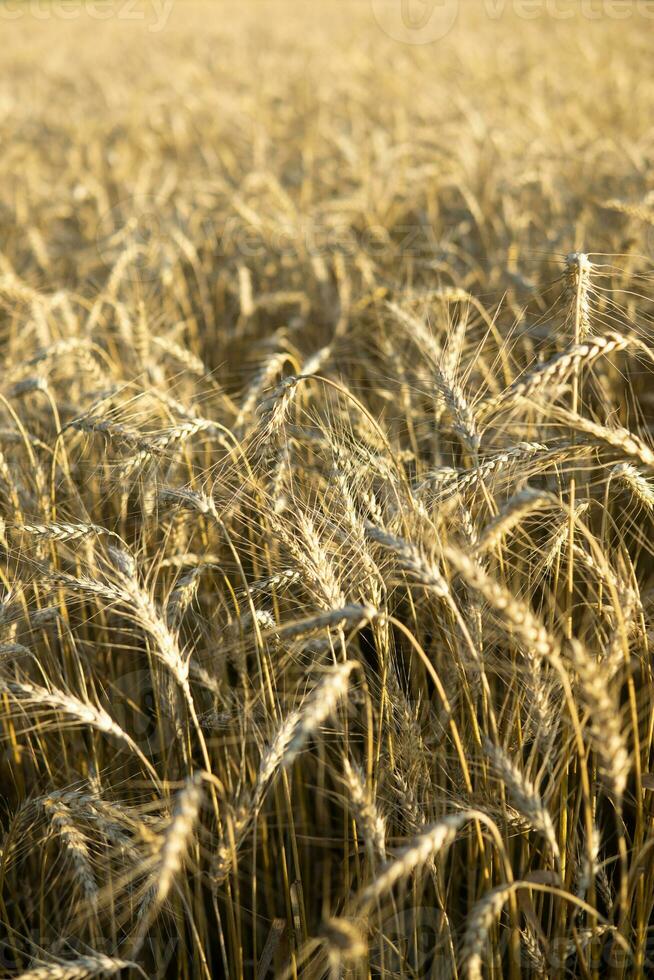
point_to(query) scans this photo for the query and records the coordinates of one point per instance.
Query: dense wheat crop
(326, 492)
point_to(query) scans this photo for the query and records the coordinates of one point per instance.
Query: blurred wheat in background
(326, 491)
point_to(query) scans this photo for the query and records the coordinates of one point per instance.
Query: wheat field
(326, 490)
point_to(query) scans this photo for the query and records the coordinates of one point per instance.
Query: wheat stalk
(93, 965)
